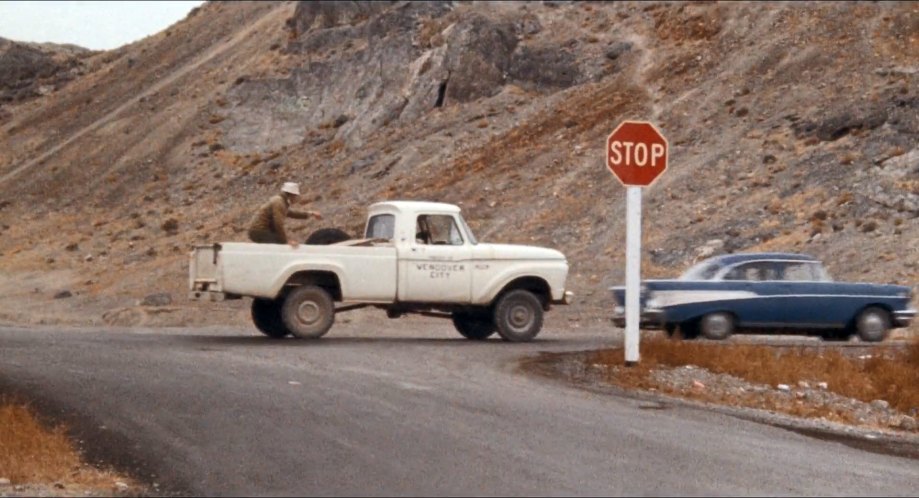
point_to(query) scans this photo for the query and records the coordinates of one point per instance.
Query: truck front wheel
(266, 315)
(474, 326)
(518, 316)
(308, 312)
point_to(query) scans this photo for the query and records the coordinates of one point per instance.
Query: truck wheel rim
(308, 312)
(520, 317)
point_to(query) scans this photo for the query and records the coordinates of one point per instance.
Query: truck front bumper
(650, 318)
(567, 298)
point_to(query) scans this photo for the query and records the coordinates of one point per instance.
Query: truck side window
(437, 229)
(381, 226)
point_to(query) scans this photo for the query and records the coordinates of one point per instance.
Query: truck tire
(308, 312)
(474, 326)
(326, 236)
(266, 315)
(518, 316)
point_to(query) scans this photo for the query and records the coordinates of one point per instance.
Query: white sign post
(636, 153)
(632, 273)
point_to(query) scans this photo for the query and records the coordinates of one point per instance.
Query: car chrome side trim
(904, 317)
(662, 296)
(666, 298)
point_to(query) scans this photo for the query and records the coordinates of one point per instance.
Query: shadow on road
(288, 342)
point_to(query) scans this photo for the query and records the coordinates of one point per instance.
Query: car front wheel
(872, 324)
(308, 312)
(717, 326)
(518, 316)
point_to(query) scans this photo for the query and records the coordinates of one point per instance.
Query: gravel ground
(118, 488)
(869, 426)
(689, 379)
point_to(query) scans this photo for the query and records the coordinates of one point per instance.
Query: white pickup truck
(415, 257)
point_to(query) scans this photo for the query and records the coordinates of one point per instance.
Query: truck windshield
(468, 231)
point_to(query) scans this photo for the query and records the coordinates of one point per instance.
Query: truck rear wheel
(266, 315)
(474, 326)
(518, 316)
(308, 312)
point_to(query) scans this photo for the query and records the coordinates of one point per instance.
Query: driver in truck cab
(267, 226)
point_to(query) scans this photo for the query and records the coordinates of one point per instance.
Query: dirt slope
(792, 127)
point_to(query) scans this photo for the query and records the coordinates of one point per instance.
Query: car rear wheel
(518, 316)
(474, 326)
(689, 330)
(717, 326)
(266, 315)
(873, 324)
(308, 312)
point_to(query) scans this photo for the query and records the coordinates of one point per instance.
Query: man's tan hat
(291, 188)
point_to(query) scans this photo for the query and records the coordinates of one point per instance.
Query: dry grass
(30, 453)
(894, 377)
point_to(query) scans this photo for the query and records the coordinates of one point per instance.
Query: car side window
(753, 272)
(742, 272)
(436, 229)
(801, 272)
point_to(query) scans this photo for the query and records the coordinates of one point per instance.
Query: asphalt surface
(403, 407)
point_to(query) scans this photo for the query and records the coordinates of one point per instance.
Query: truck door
(437, 266)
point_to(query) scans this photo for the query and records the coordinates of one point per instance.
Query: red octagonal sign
(636, 152)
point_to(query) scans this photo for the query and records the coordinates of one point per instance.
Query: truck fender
(324, 266)
(502, 281)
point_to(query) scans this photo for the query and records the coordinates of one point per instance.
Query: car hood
(513, 251)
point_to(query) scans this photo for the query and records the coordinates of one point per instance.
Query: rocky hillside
(792, 127)
(29, 70)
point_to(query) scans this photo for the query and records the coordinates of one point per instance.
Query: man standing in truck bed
(267, 226)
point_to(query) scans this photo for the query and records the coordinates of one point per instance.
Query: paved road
(403, 407)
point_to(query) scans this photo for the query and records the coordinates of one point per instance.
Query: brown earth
(36, 460)
(792, 127)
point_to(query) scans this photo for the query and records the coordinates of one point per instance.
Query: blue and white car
(768, 292)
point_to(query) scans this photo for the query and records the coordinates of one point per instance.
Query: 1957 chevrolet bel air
(768, 291)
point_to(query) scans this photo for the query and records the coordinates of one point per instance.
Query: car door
(749, 292)
(804, 299)
(436, 266)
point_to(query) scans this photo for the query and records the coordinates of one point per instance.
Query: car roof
(414, 206)
(731, 259)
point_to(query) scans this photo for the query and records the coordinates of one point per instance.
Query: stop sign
(636, 152)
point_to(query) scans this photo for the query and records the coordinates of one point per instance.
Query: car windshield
(705, 270)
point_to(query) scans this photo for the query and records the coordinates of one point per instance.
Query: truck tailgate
(203, 272)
